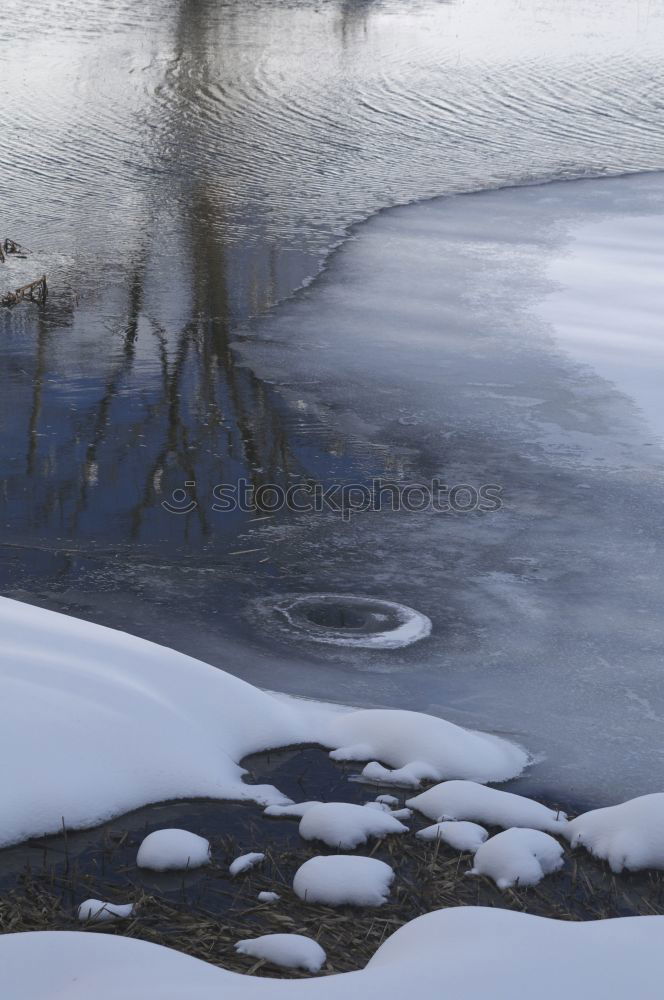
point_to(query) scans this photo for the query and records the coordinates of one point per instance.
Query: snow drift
(629, 835)
(106, 722)
(476, 952)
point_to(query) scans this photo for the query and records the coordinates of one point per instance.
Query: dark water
(180, 167)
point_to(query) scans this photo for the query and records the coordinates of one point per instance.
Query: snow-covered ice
(290, 951)
(629, 835)
(245, 862)
(344, 879)
(399, 739)
(268, 897)
(468, 800)
(518, 856)
(118, 722)
(164, 850)
(97, 911)
(476, 952)
(345, 825)
(459, 834)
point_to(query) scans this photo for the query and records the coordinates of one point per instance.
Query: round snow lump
(290, 951)
(164, 850)
(518, 856)
(345, 825)
(341, 879)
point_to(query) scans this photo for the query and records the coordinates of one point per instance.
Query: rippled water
(178, 168)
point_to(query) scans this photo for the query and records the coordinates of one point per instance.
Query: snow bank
(467, 800)
(344, 879)
(344, 825)
(629, 835)
(399, 738)
(460, 835)
(164, 850)
(518, 856)
(476, 952)
(245, 862)
(290, 951)
(116, 722)
(97, 911)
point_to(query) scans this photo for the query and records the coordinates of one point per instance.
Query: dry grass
(205, 913)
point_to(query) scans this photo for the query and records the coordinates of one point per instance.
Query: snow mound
(297, 809)
(468, 800)
(518, 856)
(629, 835)
(477, 952)
(158, 725)
(268, 897)
(342, 879)
(164, 850)
(460, 835)
(409, 776)
(290, 951)
(344, 825)
(245, 862)
(97, 911)
(399, 738)
(117, 722)
(388, 800)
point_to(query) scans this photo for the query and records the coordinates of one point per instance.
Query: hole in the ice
(353, 621)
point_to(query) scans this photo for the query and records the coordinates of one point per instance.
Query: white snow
(98, 911)
(164, 850)
(383, 807)
(459, 834)
(518, 856)
(117, 722)
(245, 862)
(398, 738)
(290, 951)
(297, 809)
(475, 952)
(345, 825)
(409, 776)
(388, 800)
(341, 879)
(268, 897)
(629, 835)
(467, 800)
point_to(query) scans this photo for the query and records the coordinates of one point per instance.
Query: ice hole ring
(344, 620)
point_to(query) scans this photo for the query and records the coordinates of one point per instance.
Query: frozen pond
(179, 170)
(454, 340)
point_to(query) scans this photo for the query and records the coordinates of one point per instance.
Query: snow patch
(460, 835)
(164, 850)
(344, 879)
(245, 862)
(467, 800)
(159, 725)
(477, 952)
(629, 835)
(289, 951)
(346, 826)
(436, 749)
(97, 911)
(268, 897)
(518, 856)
